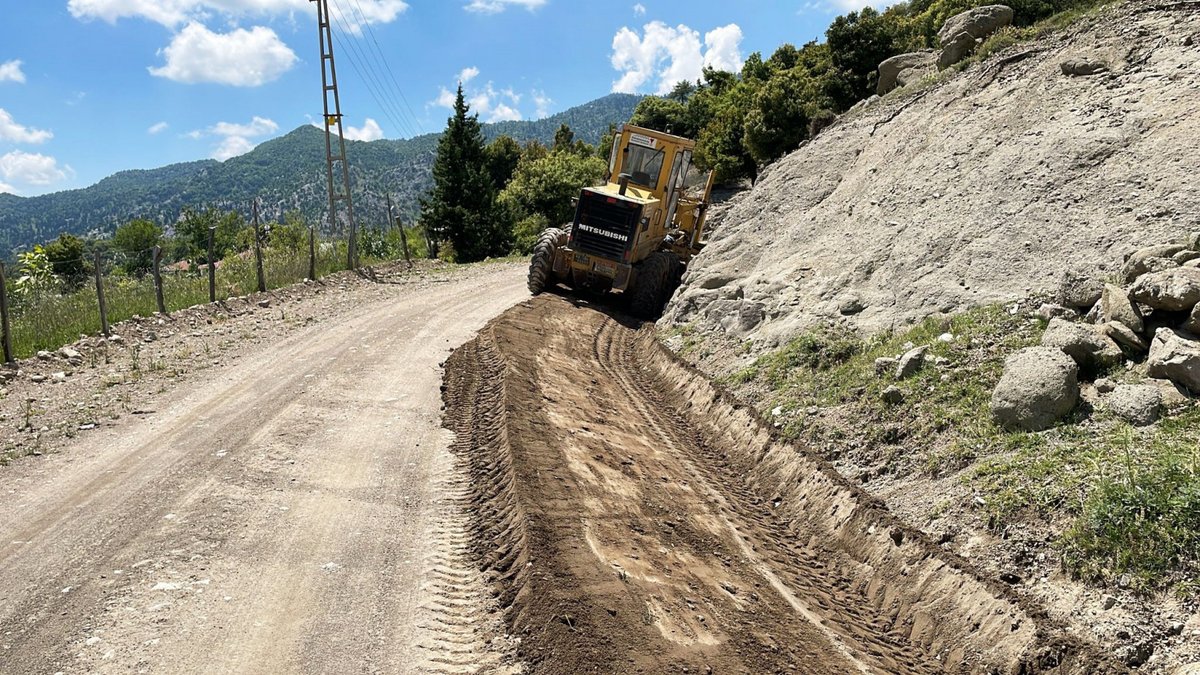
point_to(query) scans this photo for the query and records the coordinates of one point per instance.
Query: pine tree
(461, 209)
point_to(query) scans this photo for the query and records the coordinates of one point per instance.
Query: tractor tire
(541, 266)
(653, 285)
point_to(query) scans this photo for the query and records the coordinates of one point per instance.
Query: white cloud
(13, 132)
(10, 71)
(157, 128)
(496, 6)
(723, 48)
(543, 103)
(639, 10)
(22, 168)
(490, 104)
(236, 139)
(369, 131)
(5, 187)
(664, 56)
(241, 58)
(173, 13)
(468, 74)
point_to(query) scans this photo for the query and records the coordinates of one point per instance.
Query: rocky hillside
(977, 296)
(285, 173)
(968, 188)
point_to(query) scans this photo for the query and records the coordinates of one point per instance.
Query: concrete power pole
(333, 118)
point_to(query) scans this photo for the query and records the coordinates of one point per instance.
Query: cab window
(644, 165)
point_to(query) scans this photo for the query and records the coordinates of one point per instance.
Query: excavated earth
(630, 517)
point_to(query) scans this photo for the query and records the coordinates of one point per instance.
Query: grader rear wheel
(653, 285)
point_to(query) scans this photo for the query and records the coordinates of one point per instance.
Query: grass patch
(1125, 501)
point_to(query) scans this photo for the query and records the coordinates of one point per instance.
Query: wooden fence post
(212, 265)
(312, 253)
(404, 242)
(158, 287)
(100, 297)
(7, 339)
(262, 279)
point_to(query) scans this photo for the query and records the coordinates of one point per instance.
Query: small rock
(1137, 655)
(264, 303)
(911, 362)
(37, 379)
(1052, 310)
(116, 339)
(941, 361)
(777, 411)
(851, 305)
(1108, 601)
(1176, 628)
(1123, 336)
(884, 365)
(1173, 396)
(1115, 305)
(69, 354)
(1137, 404)
(1092, 350)
(1105, 385)
(1082, 67)
(44, 355)
(59, 377)
(1079, 290)
(946, 338)
(1175, 356)
(893, 396)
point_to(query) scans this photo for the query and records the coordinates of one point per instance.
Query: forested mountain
(284, 173)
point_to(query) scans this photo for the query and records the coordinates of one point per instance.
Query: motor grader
(635, 234)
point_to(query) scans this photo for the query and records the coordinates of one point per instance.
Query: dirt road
(295, 512)
(632, 519)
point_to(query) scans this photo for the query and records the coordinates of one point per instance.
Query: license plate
(606, 268)
(581, 258)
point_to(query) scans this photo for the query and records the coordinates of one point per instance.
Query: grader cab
(635, 234)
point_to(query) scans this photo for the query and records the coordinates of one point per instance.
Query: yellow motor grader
(635, 234)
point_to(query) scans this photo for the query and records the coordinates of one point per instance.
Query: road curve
(296, 512)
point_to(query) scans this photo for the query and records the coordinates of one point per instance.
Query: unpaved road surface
(297, 511)
(631, 519)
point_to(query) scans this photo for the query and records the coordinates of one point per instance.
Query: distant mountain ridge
(285, 173)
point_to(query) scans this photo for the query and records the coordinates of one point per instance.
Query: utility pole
(333, 118)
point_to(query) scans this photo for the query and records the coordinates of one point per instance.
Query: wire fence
(47, 313)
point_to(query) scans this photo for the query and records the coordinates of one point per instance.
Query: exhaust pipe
(623, 181)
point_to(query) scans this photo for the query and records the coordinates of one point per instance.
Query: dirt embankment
(983, 187)
(632, 518)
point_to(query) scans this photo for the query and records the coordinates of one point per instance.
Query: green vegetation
(1126, 501)
(745, 120)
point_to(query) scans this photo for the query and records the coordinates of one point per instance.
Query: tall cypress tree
(461, 208)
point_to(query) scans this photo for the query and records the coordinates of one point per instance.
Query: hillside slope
(983, 187)
(286, 173)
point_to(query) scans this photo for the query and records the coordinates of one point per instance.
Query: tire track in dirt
(631, 519)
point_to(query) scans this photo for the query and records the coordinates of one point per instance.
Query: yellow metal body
(653, 200)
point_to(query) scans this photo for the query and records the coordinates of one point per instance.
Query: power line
(375, 83)
(387, 65)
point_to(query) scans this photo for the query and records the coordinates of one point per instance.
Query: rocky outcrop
(1084, 66)
(890, 71)
(1175, 356)
(1151, 259)
(1115, 305)
(959, 36)
(1039, 387)
(1092, 350)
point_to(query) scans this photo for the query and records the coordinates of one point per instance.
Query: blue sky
(91, 87)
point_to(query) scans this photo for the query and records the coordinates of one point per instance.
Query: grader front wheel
(653, 285)
(541, 266)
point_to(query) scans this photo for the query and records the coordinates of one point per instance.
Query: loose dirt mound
(981, 188)
(633, 519)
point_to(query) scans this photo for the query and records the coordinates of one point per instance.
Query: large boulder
(1175, 356)
(1152, 259)
(1039, 387)
(1192, 325)
(978, 23)
(891, 69)
(1173, 290)
(1115, 305)
(1137, 404)
(1092, 350)
(956, 49)
(1079, 290)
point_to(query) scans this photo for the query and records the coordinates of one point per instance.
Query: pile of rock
(1152, 322)
(958, 38)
